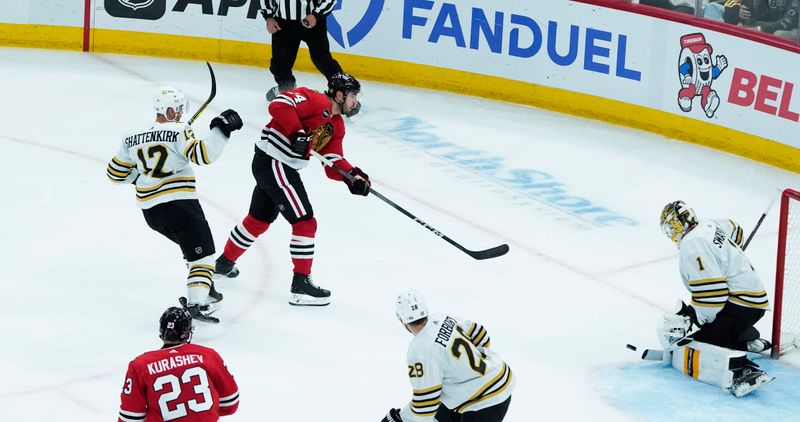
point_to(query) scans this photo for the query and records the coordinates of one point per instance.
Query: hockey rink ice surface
(85, 280)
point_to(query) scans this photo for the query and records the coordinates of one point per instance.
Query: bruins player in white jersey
(728, 298)
(156, 160)
(454, 374)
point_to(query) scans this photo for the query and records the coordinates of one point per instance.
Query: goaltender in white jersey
(453, 372)
(728, 298)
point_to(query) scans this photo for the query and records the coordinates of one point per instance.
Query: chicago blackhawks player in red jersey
(181, 380)
(302, 119)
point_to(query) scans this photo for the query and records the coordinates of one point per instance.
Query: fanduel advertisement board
(501, 38)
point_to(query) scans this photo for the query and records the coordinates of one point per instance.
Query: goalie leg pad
(706, 362)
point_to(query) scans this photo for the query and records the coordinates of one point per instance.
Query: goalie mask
(167, 97)
(677, 219)
(410, 306)
(175, 325)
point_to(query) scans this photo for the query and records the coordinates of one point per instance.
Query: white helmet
(166, 97)
(410, 306)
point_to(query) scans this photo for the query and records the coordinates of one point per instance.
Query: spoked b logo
(136, 9)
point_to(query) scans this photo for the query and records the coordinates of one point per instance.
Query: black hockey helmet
(343, 82)
(175, 325)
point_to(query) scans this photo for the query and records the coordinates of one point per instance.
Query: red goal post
(786, 305)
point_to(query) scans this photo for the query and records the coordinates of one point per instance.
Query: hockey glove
(227, 122)
(689, 311)
(360, 183)
(392, 416)
(300, 141)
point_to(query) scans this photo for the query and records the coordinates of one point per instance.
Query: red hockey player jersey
(306, 110)
(187, 383)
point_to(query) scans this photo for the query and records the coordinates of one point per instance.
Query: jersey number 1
(158, 171)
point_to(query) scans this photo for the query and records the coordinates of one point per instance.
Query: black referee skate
(198, 311)
(275, 90)
(306, 293)
(224, 267)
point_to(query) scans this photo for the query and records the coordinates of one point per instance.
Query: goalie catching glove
(227, 122)
(672, 329)
(359, 184)
(392, 416)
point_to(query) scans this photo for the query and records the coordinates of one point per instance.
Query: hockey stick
(210, 96)
(760, 220)
(484, 254)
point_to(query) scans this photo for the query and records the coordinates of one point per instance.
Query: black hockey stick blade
(489, 253)
(210, 96)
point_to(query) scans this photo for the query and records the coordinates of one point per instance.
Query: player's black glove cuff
(299, 142)
(392, 416)
(358, 185)
(227, 122)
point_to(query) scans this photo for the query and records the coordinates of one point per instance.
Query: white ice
(84, 280)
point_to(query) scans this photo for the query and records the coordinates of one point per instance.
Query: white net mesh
(790, 314)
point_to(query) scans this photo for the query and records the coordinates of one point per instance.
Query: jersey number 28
(176, 385)
(475, 362)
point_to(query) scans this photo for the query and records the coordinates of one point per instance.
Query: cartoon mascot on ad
(697, 72)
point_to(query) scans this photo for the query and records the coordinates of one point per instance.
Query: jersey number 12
(158, 171)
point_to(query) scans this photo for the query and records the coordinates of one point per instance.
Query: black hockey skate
(306, 293)
(213, 295)
(275, 90)
(748, 378)
(198, 311)
(225, 268)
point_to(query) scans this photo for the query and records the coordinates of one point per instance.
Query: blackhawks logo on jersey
(322, 135)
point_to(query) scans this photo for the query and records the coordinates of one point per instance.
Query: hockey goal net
(786, 305)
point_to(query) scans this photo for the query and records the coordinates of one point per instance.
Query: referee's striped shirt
(295, 10)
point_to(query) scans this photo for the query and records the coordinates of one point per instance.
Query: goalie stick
(210, 96)
(484, 254)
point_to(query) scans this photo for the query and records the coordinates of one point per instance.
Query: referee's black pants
(286, 42)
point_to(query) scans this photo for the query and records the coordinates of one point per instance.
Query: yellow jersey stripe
(426, 403)
(427, 390)
(763, 305)
(121, 163)
(705, 281)
(746, 293)
(118, 173)
(158, 186)
(203, 152)
(708, 304)
(481, 395)
(173, 190)
(480, 337)
(711, 293)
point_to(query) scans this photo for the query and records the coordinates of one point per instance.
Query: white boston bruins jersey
(716, 271)
(450, 363)
(157, 161)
